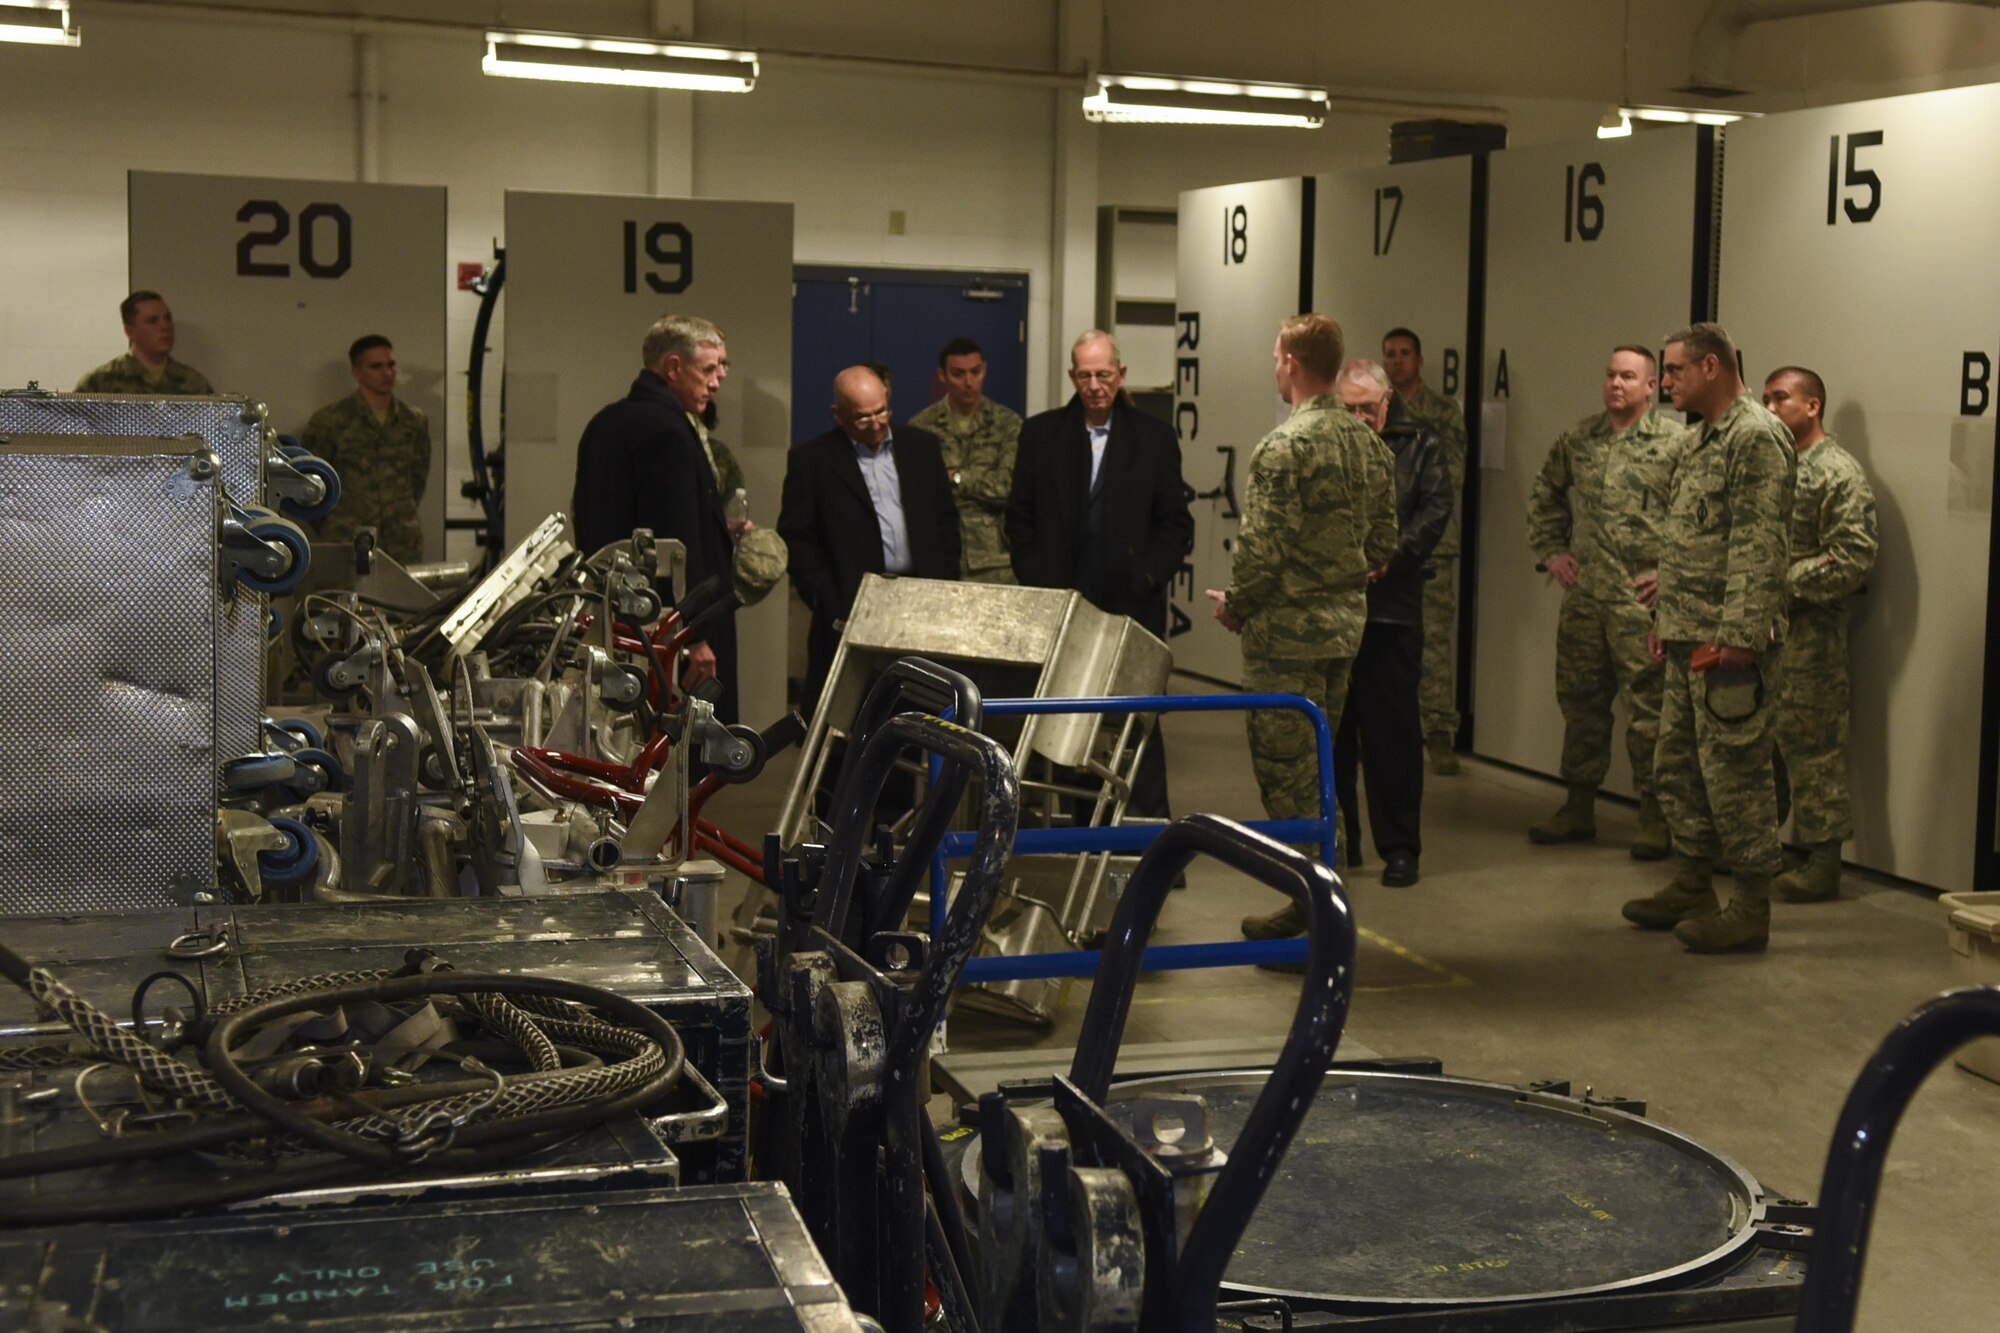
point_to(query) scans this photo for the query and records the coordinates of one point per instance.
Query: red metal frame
(621, 788)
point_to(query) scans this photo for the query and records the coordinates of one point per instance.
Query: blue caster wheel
(273, 529)
(294, 864)
(317, 771)
(255, 771)
(313, 467)
(296, 733)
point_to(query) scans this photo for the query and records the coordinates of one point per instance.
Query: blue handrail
(1137, 837)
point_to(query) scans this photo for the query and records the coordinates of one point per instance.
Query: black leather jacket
(1423, 509)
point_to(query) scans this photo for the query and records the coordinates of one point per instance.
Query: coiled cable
(592, 1055)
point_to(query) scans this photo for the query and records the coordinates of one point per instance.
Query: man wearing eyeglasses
(1380, 733)
(1719, 621)
(1098, 505)
(864, 498)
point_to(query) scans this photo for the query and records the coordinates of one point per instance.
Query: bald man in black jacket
(836, 525)
(1099, 506)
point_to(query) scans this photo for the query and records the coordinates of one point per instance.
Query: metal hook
(208, 942)
(436, 1131)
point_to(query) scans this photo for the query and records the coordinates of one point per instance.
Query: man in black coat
(1098, 505)
(863, 498)
(1381, 728)
(642, 464)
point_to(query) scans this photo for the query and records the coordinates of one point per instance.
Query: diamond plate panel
(234, 430)
(107, 673)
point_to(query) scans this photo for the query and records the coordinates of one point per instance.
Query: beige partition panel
(1393, 250)
(1858, 241)
(587, 274)
(271, 280)
(1589, 245)
(1245, 251)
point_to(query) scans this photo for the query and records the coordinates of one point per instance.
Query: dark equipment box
(627, 942)
(711, 1259)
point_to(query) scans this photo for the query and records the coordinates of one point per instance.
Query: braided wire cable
(155, 1067)
(548, 1020)
(297, 986)
(39, 1057)
(521, 1097)
(515, 1024)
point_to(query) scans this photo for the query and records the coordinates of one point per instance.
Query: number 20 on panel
(325, 245)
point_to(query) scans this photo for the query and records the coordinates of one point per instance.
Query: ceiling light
(1615, 125)
(41, 22)
(1149, 99)
(567, 58)
(1682, 115)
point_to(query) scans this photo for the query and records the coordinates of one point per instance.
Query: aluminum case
(108, 671)
(732, 1258)
(233, 428)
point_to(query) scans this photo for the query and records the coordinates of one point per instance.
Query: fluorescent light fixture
(39, 22)
(1151, 99)
(569, 58)
(1615, 125)
(1681, 115)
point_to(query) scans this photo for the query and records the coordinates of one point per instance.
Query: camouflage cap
(760, 563)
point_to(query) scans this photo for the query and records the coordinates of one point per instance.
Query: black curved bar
(909, 684)
(487, 481)
(1868, 1120)
(1316, 1025)
(965, 753)
(697, 602)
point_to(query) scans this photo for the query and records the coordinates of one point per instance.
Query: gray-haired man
(642, 464)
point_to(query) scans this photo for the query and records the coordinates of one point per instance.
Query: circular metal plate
(1404, 1190)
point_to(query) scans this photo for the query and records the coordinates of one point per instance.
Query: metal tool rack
(1322, 832)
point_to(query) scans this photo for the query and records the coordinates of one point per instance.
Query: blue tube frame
(1136, 838)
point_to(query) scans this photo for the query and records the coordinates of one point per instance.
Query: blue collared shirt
(885, 488)
(1100, 436)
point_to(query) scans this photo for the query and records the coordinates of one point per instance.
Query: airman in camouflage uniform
(721, 461)
(1833, 547)
(979, 438)
(760, 552)
(381, 447)
(1319, 516)
(1595, 514)
(1403, 358)
(1721, 592)
(149, 368)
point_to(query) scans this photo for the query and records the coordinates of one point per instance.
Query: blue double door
(902, 317)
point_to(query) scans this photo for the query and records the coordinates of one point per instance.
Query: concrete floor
(1510, 962)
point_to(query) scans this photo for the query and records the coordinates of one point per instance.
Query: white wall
(1918, 288)
(967, 164)
(972, 162)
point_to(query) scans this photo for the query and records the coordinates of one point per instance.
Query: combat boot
(1691, 893)
(1816, 880)
(1742, 927)
(1575, 822)
(1282, 924)
(1652, 844)
(1444, 758)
